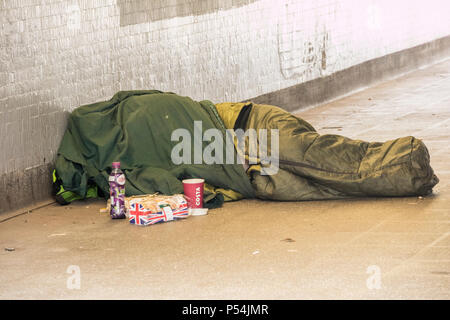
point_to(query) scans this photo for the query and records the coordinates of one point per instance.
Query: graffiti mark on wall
(140, 11)
(303, 46)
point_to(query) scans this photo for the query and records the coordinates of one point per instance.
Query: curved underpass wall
(56, 55)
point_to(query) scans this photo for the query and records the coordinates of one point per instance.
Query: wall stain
(141, 11)
(324, 51)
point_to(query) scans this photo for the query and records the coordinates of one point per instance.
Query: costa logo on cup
(198, 197)
(193, 192)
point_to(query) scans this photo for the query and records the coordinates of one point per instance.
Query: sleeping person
(314, 166)
(284, 158)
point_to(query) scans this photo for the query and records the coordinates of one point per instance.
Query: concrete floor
(254, 249)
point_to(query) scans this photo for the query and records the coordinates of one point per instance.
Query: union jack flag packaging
(151, 209)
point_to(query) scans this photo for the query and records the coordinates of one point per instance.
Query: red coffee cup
(193, 192)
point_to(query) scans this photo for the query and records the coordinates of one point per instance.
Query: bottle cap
(116, 165)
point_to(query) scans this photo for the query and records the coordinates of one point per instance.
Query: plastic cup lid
(189, 181)
(198, 211)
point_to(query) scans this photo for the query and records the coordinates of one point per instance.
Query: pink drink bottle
(117, 192)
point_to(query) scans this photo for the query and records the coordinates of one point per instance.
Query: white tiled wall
(56, 55)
